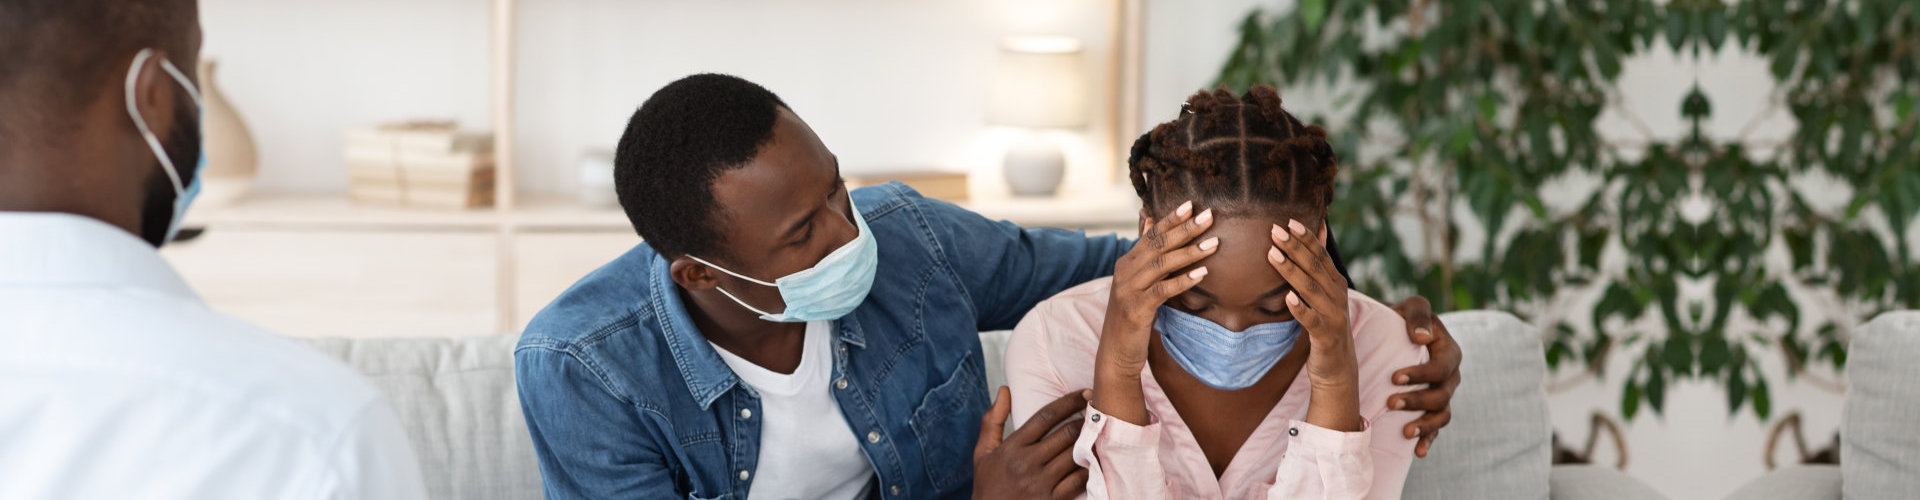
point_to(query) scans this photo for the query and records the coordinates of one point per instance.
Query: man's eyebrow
(801, 223)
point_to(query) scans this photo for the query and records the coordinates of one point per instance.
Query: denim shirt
(626, 399)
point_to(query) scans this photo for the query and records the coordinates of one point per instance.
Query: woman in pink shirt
(1227, 357)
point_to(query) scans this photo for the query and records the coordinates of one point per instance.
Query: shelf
(1105, 210)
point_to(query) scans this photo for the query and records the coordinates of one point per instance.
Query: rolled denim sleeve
(1008, 269)
(590, 443)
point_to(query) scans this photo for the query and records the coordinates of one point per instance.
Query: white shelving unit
(514, 213)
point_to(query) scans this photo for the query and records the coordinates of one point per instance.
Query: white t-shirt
(116, 381)
(801, 454)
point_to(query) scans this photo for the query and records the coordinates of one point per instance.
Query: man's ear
(155, 94)
(691, 274)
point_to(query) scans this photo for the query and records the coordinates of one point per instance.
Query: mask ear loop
(153, 142)
(729, 295)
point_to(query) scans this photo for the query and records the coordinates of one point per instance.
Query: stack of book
(941, 185)
(432, 164)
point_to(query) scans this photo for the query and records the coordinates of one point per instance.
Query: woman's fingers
(1169, 222)
(1303, 247)
(1178, 259)
(1310, 287)
(1168, 288)
(1171, 234)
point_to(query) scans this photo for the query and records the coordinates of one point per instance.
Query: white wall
(1696, 451)
(887, 84)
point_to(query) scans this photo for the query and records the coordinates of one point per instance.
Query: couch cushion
(1797, 482)
(1499, 441)
(457, 400)
(1593, 482)
(1879, 450)
(994, 344)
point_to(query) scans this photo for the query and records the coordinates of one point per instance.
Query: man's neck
(47, 179)
(774, 346)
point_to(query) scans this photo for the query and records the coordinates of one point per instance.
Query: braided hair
(1238, 155)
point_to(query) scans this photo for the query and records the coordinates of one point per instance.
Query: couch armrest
(1593, 482)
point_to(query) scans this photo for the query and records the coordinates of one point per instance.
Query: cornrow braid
(1235, 154)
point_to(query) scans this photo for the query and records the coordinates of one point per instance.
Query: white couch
(457, 399)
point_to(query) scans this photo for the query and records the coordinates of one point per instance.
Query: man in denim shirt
(779, 335)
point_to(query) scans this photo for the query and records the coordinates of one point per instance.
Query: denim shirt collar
(706, 375)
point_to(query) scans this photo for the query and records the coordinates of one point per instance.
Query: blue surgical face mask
(829, 289)
(1222, 358)
(183, 192)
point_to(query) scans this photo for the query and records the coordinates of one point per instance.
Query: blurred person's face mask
(1222, 358)
(828, 290)
(184, 142)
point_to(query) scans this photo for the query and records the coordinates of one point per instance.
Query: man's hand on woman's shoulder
(1440, 374)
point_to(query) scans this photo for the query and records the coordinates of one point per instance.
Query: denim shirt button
(746, 413)
(841, 384)
(894, 490)
(873, 436)
(744, 475)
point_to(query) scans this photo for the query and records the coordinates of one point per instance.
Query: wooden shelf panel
(1106, 210)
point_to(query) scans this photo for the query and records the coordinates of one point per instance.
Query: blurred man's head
(71, 83)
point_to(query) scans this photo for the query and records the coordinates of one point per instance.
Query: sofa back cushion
(1879, 448)
(457, 400)
(1499, 443)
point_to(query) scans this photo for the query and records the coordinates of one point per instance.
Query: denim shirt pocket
(946, 425)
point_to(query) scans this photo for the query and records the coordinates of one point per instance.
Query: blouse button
(1293, 431)
(1096, 418)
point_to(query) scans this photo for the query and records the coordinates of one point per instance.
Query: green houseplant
(1476, 121)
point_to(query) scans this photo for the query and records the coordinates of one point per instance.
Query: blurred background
(1695, 203)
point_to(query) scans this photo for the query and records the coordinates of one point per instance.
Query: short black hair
(680, 140)
(55, 54)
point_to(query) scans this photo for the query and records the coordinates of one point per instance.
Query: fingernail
(1293, 299)
(1198, 272)
(1279, 234)
(1423, 332)
(1086, 393)
(1400, 379)
(1416, 431)
(1205, 217)
(1400, 404)
(1274, 253)
(1297, 228)
(1185, 208)
(1210, 242)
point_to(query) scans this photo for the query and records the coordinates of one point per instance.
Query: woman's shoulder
(1381, 347)
(1069, 322)
(1377, 327)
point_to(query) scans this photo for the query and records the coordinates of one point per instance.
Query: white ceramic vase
(232, 161)
(1034, 168)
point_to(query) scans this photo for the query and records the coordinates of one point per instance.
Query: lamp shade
(1039, 82)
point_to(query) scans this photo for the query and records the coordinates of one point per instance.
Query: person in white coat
(116, 380)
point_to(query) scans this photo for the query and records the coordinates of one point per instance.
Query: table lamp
(1039, 83)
